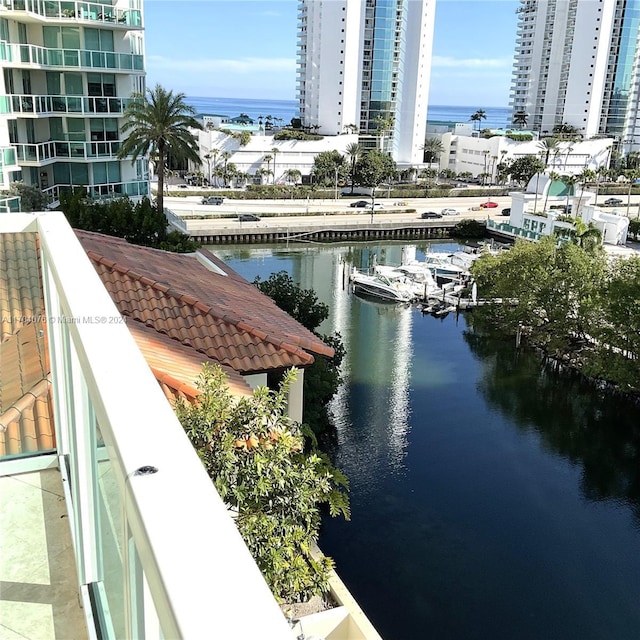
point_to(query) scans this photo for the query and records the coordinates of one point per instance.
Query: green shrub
(469, 229)
(291, 134)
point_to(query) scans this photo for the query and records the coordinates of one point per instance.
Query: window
(98, 40)
(101, 84)
(103, 129)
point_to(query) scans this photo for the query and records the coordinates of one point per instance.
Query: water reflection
(599, 433)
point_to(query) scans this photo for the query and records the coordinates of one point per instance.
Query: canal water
(491, 499)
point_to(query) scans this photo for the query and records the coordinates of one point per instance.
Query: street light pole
(373, 203)
(336, 183)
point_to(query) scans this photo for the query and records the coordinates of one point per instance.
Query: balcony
(114, 499)
(62, 150)
(64, 10)
(46, 105)
(32, 55)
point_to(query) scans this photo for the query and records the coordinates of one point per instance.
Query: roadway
(467, 207)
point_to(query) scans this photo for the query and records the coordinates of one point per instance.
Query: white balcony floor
(39, 597)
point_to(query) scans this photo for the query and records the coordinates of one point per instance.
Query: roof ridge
(24, 402)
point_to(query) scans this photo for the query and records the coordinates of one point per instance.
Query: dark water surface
(491, 499)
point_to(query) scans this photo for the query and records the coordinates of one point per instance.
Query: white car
(449, 212)
(375, 206)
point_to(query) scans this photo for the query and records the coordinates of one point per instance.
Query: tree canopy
(524, 168)
(373, 168)
(570, 301)
(325, 165)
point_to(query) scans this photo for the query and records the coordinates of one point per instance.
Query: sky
(247, 49)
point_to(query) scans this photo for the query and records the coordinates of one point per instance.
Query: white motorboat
(386, 286)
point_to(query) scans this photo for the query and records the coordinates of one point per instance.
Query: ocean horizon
(497, 117)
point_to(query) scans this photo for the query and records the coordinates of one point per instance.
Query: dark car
(506, 212)
(359, 203)
(431, 214)
(613, 202)
(248, 217)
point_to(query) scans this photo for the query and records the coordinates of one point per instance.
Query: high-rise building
(575, 63)
(366, 64)
(68, 71)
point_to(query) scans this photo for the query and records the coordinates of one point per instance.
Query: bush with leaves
(139, 223)
(254, 454)
(322, 378)
(469, 229)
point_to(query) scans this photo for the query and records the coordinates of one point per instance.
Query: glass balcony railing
(55, 105)
(134, 189)
(157, 554)
(70, 58)
(9, 204)
(62, 149)
(66, 9)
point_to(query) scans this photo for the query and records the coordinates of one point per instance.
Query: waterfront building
(367, 65)
(576, 63)
(68, 71)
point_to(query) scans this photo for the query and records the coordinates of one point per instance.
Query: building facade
(366, 65)
(574, 64)
(68, 71)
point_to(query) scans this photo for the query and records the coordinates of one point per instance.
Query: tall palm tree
(160, 121)
(548, 146)
(520, 119)
(587, 175)
(570, 182)
(226, 156)
(432, 148)
(268, 158)
(553, 177)
(479, 116)
(631, 175)
(353, 151)
(275, 152)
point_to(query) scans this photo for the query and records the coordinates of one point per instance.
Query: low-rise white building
(464, 152)
(264, 152)
(543, 208)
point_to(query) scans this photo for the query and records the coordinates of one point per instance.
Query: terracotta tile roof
(26, 421)
(177, 367)
(220, 315)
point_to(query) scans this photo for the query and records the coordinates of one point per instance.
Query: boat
(384, 286)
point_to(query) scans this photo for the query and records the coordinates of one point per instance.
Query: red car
(489, 205)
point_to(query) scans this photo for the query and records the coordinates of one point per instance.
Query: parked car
(213, 200)
(375, 206)
(613, 202)
(449, 212)
(182, 186)
(506, 212)
(431, 214)
(359, 203)
(248, 217)
(489, 205)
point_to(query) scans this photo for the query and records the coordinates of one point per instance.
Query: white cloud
(471, 63)
(239, 65)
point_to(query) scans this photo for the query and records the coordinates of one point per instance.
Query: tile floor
(39, 597)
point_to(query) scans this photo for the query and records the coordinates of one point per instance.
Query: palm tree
(432, 148)
(225, 155)
(548, 146)
(159, 121)
(292, 175)
(587, 175)
(275, 152)
(353, 151)
(553, 177)
(570, 182)
(479, 116)
(214, 154)
(268, 158)
(520, 119)
(207, 156)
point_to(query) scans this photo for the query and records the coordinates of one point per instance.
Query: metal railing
(55, 105)
(69, 9)
(32, 54)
